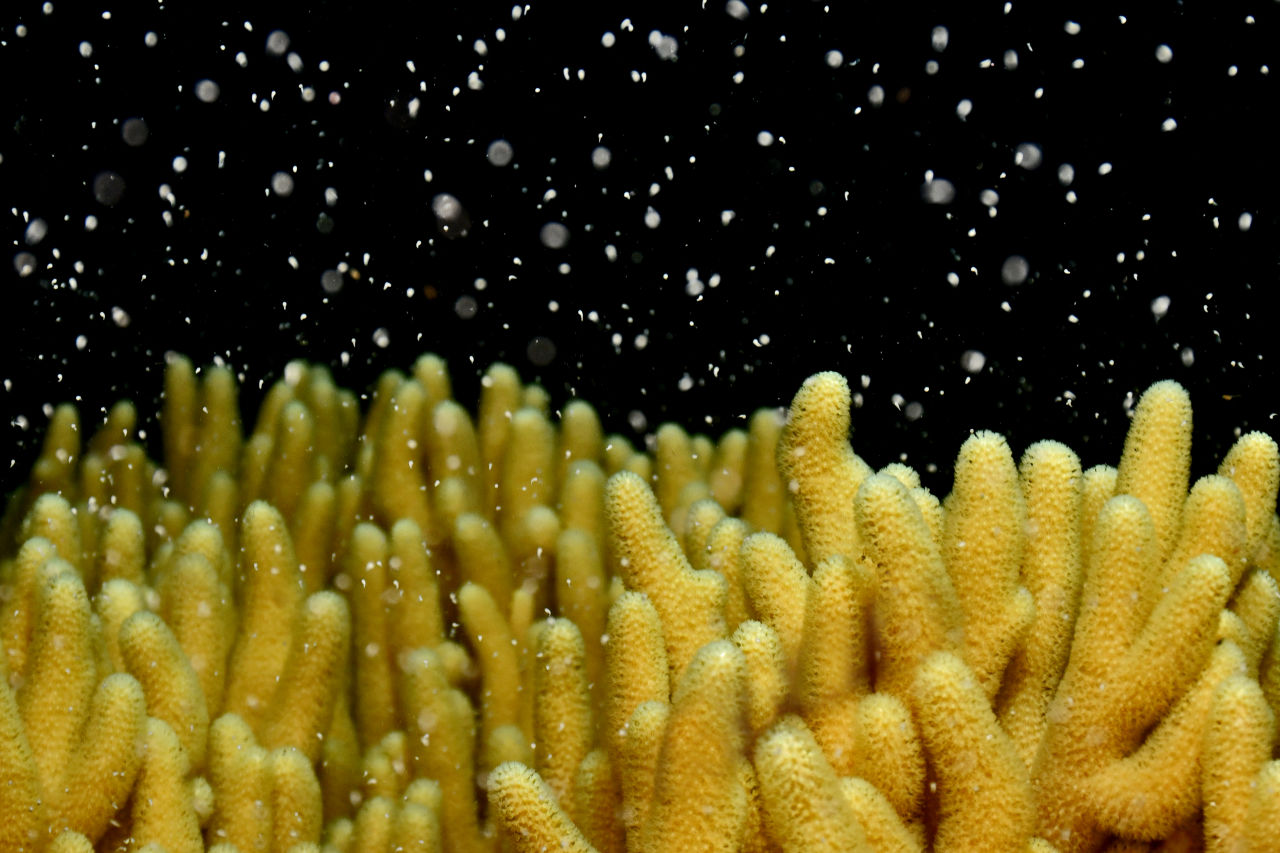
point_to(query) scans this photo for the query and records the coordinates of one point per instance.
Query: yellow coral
(328, 635)
(562, 727)
(983, 791)
(805, 808)
(528, 809)
(699, 803)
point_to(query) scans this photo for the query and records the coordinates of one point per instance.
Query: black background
(832, 260)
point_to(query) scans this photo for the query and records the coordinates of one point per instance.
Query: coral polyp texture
(415, 629)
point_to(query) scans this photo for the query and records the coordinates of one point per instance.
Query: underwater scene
(701, 426)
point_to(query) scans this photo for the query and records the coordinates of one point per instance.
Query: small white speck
(500, 152)
(1028, 156)
(282, 184)
(1014, 270)
(207, 91)
(938, 190)
(277, 42)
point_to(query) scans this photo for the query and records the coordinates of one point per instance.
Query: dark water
(938, 203)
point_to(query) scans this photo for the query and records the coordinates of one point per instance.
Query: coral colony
(415, 629)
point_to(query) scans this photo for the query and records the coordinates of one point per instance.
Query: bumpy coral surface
(419, 630)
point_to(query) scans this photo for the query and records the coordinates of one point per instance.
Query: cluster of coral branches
(419, 630)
